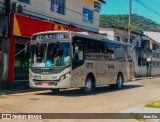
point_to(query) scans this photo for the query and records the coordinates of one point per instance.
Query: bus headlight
(65, 76)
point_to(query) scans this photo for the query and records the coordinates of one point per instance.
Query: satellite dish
(148, 59)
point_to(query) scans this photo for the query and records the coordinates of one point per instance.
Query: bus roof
(89, 35)
(100, 38)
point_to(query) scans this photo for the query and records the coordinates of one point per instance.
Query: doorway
(21, 63)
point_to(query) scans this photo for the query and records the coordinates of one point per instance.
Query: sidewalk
(19, 87)
(143, 113)
(16, 91)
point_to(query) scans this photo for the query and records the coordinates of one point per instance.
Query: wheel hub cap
(119, 81)
(88, 84)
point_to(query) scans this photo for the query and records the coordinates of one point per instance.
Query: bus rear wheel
(119, 83)
(88, 85)
(55, 91)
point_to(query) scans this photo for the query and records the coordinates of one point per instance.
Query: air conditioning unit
(18, 7)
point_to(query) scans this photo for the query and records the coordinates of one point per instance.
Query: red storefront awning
(26, 26)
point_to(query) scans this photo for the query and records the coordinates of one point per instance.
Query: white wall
(153, 34)
(109, 32)
(43, 7)
(113, 33)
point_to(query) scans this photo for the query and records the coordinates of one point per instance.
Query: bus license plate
(44, 83)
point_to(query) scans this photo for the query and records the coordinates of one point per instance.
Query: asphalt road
(103, 100)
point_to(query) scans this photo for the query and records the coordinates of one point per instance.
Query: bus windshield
(50, 54)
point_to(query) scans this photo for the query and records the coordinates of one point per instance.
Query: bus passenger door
(78, 62)
(90, 58)
(110, 62)
(101, 64)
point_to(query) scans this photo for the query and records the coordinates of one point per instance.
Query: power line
(153, 3)
(147, 7)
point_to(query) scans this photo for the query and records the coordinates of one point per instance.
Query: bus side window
(90, 46)
(129, 52)
(100, 47)
(78, 52)
(120, 52)
(109, 51)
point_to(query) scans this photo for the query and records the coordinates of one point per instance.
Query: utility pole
(4, 33)
(129, 21)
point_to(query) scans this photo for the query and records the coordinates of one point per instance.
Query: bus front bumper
(66, 83)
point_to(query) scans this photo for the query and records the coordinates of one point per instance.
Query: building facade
(27, 17)
(155, 35)
(142, 53)
(120, 34)
(82, 14)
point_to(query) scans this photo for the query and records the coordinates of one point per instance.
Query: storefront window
(58, 6)
(21, 64)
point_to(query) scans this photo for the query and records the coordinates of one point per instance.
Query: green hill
(138, 22)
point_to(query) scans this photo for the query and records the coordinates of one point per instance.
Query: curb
(143, 78)
(17, 91)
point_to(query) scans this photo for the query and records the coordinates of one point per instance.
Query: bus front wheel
(88, 85)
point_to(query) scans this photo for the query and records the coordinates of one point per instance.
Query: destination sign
(49, 36)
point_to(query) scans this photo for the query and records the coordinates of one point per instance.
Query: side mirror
(76, 57)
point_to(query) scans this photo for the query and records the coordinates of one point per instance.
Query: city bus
(63, 59)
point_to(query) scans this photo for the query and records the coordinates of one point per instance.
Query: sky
(114, 7)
